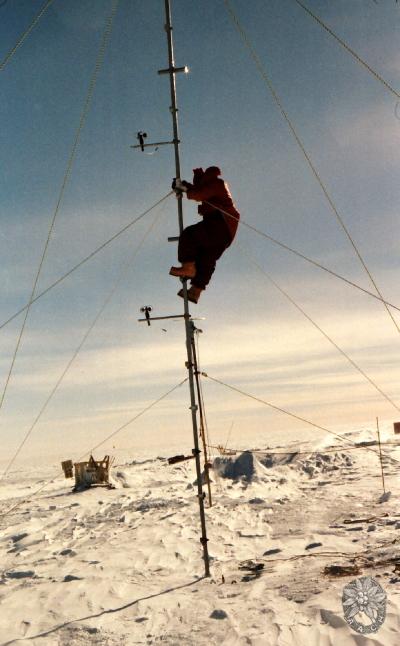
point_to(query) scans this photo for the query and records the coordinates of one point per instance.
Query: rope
(335, 449)
(286, 412)
(25, 34)
(297, 557)
(350, 555)
(278, 102)
(207, 437)
(122, 275)
(92, 84)
(212, 454)
(349, 49)
(229, 436)
(89, 257)
(34, 493)
(133, 419)
(327, 337)
(304, 257)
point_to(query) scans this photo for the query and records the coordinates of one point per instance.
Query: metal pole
(201, 413)
(380, 454)
(189, 332)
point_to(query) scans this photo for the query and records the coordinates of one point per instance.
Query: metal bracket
(141, 136)
(174, 70)
(161, 318)
(155, 144)
(147, 309)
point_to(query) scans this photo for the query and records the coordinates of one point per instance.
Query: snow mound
(122, 479)
(271, 460)
(249, 467)
(318, 463)
(313, 464)
(245, 467)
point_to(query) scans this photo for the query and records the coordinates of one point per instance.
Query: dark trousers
(204, 243)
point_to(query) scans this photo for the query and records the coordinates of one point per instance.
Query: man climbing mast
(202, 244)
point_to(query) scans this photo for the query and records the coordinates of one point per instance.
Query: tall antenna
(172, 70)
(189, 327)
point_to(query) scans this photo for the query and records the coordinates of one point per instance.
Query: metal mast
(172, 70)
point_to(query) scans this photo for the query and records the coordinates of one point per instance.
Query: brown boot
(193, 293)
(188, 270)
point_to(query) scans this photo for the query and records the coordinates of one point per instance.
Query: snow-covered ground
(123, 566)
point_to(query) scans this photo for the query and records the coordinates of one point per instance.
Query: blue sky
(253, 338)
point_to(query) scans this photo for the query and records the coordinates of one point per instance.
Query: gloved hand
(197, 175)
(178, 186)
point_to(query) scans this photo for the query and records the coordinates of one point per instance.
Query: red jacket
(213, 193)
